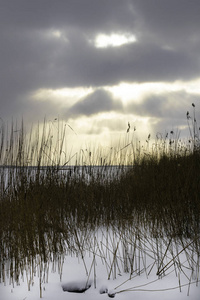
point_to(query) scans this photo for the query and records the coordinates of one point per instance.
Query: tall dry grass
(49, 207)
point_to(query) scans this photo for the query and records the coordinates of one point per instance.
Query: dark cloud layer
(168, 110)
(97, 102)
(87, 15)
(32, 57)
(165, 105)
(174, 22)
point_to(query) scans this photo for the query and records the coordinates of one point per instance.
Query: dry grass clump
(49, 208)
(167, 188)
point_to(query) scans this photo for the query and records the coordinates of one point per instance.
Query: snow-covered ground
(74, 276)
(103, 260)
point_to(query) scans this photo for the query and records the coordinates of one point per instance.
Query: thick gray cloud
(168, 110)
(173, 22)
(97, 102)
(87, 15)
(31, 57)
(165, 105)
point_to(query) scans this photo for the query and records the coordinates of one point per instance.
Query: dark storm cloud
(32, 58)
(97, 102)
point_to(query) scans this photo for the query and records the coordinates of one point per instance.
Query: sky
(97, 65)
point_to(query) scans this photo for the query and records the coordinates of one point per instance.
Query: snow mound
(103, 290)
(76, 286)
(111, 294)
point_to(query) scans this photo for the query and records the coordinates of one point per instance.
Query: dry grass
(52, 208)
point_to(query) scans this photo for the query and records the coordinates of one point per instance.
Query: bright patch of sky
(137, 91)
(133, 96)
(125, 91)
(113, 40)
(56, 33)
(61, 96)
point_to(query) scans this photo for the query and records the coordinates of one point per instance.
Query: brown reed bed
(49, 208)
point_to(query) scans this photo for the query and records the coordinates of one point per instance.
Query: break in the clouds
(52, 51)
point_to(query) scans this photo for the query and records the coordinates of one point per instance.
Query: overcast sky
(99, 64)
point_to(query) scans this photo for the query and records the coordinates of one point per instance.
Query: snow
(70, 281)
(73, 278)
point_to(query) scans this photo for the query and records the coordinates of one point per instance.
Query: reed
(146, 199)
